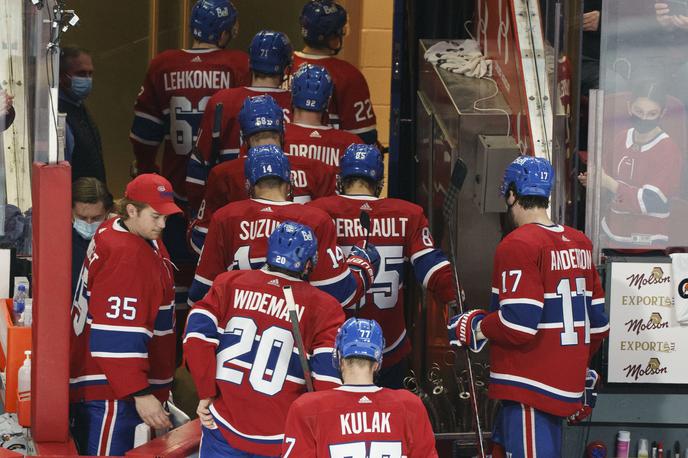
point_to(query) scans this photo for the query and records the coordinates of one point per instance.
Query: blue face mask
(81, 86)
(84, 229)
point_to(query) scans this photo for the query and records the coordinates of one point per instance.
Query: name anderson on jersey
(380, 227)
(573, 258)
(358, 422)
(197, 79)
(264, 303)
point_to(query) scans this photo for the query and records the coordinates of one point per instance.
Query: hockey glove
(364, 261)
(462, 330)
(589, 398)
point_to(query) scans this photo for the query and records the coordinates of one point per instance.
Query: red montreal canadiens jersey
(171, 102)
(230, 133)
(240, 348)
(350, 107)
(322, 143)
(122, 338)
(647, 175)
(238, 239)
(227, 183)
(547, 317)
(399, 231)
(358, 421)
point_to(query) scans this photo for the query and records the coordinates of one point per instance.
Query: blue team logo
(683, 288)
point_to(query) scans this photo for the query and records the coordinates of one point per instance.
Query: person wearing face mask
(91, 205)
(641, 174)
(83, 145)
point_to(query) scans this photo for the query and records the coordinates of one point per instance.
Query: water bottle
(18, 305)
(24, 378)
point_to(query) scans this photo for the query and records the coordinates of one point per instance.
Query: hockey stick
(294, 318)
(449, 211)
(364, 219)
(217, 127)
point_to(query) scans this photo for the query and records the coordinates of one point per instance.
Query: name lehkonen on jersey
(197, 79)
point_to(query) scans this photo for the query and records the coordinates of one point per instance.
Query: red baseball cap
(154, 190)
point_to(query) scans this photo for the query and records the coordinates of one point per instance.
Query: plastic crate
(14, 341)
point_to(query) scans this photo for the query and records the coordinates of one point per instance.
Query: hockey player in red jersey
(358, 419)
(400, 232)
(237, 236)
(323, 25)
(123, 340)
(177, 88)
(307, 135)
(169, 107)
(242, 353)
(270, 56)
(546, 318)
(261, 123)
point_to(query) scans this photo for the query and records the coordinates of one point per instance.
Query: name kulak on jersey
(358, 422)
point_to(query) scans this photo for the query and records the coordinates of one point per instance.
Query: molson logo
(654, 367)
(654, 322)
(656, 277)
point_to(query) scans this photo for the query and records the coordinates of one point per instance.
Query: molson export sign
(645, 340)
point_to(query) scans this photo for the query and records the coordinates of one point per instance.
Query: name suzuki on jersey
(258, 229)
(264, 303)
(358, 422)
(379, 227)
(197, 79)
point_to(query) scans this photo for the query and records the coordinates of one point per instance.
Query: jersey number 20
(273, 338)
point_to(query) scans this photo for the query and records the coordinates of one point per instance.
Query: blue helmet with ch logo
(531, 176)
(291, 246)
(321, 19)
(259, 114)
(361, 160)
(266, 161)
(358, 338)
(209, 18)
(270, 52)
(311, 88)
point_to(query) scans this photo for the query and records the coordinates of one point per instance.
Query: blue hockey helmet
(532, 176)
(360, 160)
(209, 18)
(321, 19)
(266, 161)
(360, 338)
(259, 114)
(311, 88)
(291, 245)
(270, 52)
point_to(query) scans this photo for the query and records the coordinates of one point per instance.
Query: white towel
(679, 284)
(460, 56)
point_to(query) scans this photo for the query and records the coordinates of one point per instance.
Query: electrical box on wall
(494, 154)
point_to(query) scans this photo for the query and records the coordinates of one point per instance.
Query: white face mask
(84, 229)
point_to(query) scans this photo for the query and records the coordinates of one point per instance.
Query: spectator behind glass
(83, 146)
(6, 110)
(642, 174)
(91, 204)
